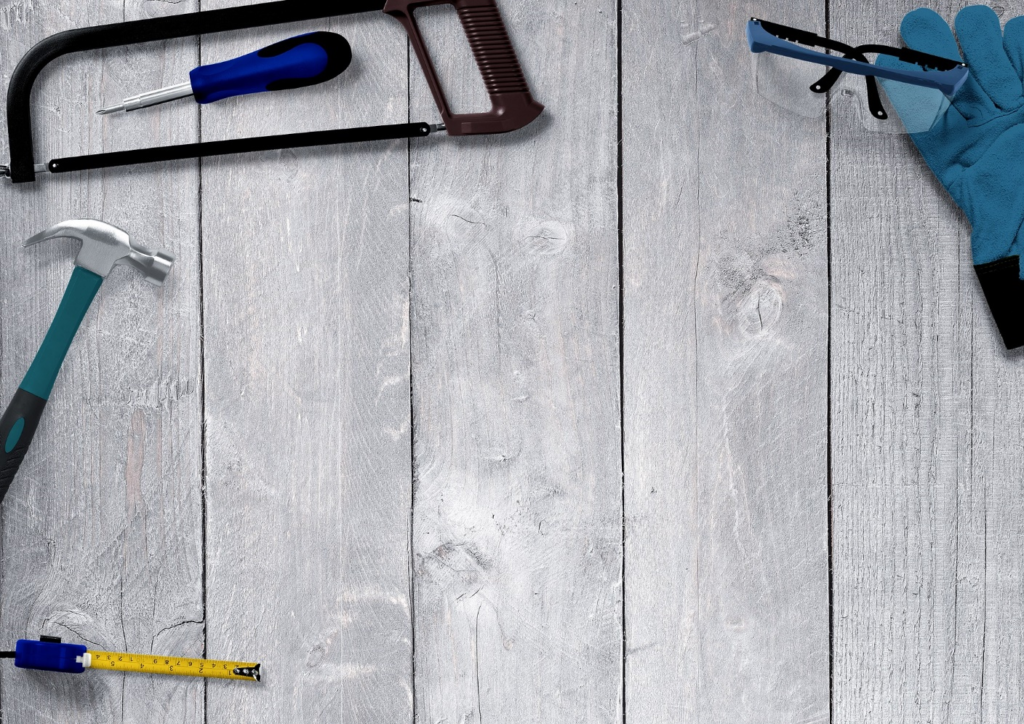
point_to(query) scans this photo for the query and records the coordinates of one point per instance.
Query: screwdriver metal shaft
(152, 98)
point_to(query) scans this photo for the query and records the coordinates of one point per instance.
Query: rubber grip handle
(20, 420)
(512, 105)
(17, 428)
(46, 366)
(293, 63)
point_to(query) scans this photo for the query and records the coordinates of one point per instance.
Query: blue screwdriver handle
(294, 63)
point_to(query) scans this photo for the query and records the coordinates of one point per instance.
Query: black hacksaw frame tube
(19, 94)
(238, 145)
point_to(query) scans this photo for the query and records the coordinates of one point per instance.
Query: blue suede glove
(976, 149)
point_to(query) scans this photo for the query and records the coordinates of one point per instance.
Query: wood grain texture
(306, 293)
(927, 511)
(268, 393)
(102, 528)
(517, 513)
(661, 248)
(725, 377)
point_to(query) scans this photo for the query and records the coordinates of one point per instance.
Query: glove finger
(1013, 44)
(981, 38)
(926, 31)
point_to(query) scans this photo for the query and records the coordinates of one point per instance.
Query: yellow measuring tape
(171, 665)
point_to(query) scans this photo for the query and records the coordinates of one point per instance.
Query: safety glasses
(786, 75)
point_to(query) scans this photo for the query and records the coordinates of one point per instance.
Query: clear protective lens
(911, 108)
(787, 82)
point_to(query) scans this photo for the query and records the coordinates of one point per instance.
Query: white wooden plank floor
(672, 407)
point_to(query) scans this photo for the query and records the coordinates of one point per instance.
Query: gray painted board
(306, 294)
(725, 377)
(102, 528)
(371, 431)
(927, 430)
(517, 516)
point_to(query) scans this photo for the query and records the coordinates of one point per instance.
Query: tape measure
(170, 665)
(50, 654)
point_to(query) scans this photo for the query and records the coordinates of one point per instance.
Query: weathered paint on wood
(927, 430)
(296, 292)
(308, 446)
(102, 528)
(725, 377)
(660, 255)
(515, 326)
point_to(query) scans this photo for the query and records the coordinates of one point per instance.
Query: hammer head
(105, 246)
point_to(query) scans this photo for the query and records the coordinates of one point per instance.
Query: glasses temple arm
(825, 83)
(875, 99)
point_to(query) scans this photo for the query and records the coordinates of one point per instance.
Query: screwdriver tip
(108, 111)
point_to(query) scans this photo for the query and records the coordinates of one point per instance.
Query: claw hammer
(103, 247)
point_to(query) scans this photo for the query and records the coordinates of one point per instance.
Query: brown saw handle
(512, 105)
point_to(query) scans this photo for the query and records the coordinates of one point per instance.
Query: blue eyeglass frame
(941, 74)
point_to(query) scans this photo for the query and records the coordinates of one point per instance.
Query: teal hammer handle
(20, 420)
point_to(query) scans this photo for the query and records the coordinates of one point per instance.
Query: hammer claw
(60, 231)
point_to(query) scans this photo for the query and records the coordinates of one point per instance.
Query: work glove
(976, 148)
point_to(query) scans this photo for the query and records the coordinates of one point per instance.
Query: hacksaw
(513, 106)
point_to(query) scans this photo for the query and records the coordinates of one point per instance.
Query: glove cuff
(1004, 289)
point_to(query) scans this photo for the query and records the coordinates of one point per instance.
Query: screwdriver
(294, 63)
(50, 654)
